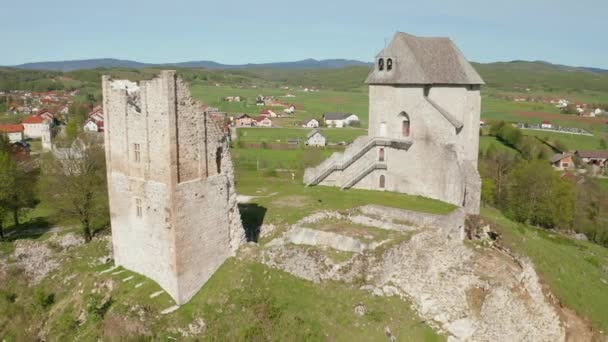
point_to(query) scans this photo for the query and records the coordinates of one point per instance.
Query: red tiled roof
(546, 122)
(260, 118)
(33, 119)
(265, 111)
(11, 128)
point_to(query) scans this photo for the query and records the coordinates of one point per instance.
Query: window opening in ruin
(405, 124)
(138, 207)
(381, 154)
(389, 64)
(137, 152)
(218, 159)
(382, 182)
(381, 64)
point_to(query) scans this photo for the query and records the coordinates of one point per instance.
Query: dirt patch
(293, 201)
(117, 327)
(357, 231)
(475, 297)
(562, 117)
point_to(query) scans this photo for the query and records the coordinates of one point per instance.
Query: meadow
(308, 104)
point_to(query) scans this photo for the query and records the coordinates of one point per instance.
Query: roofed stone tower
(423, 138)
(171, 186)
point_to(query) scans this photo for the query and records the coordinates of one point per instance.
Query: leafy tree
(72, 129)
(488, 188)
(16, 187)
(603, 144)
(496, 167)
(75, 184)
(538, 196)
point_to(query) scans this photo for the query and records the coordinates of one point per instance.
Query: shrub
(43, 299)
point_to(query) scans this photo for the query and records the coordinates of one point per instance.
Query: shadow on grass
(252, 216)
(32, 229)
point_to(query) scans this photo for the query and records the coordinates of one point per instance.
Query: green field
(486, 141)
(308, 104)
(572, 141)
(282, 135)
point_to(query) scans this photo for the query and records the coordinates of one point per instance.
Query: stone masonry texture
(173, 204)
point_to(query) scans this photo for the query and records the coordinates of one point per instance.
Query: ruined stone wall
(174, 216)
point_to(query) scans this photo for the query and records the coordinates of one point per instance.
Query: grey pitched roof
(313, 132)
(423, 60)
(336, 116)
(559, 156)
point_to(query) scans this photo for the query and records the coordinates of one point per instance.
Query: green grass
(572, 141)
(576, 271)
(289, 200)
(243, 300)
(308, 104)
(486, 141)
(282, 135)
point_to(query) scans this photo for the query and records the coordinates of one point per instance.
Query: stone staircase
(342, 161)
(353, 175)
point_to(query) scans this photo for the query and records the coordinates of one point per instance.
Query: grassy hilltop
(245, 300)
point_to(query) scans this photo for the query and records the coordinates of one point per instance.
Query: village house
(268, 112)
(290, 109)
(310, 123)
(562, 161)
(95, 122)
(14, 133)
(598, 159)
(423, 136)
(315, 138)
(35, 126)
(546, 125)
(339, 119)
(263, 121)
(243, 120)
(232, 98)
(20, 149)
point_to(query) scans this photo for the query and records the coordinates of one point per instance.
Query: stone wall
(173, 210)
(441, 162)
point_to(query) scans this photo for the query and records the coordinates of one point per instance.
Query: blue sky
(558, 31)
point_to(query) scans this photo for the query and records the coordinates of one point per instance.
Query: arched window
(389, 64)
(381, 154)
(381, 64)
(382, 182)
(405, 124)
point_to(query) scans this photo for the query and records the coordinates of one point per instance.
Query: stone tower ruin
(423, 137)
(173, 204)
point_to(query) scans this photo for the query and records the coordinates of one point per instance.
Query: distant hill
(119, 63)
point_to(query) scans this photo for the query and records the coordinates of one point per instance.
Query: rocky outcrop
(469, 293)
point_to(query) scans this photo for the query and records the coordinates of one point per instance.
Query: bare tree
(74, 182)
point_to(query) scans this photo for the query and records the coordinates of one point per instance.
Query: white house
(268, 112)
(290, 109)
(597, 111)
(14, 133)
(315, 138)
(310, 123)
(263, 121)
(339, 119)
(93, 126)
(34, 126)
(546, 125)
